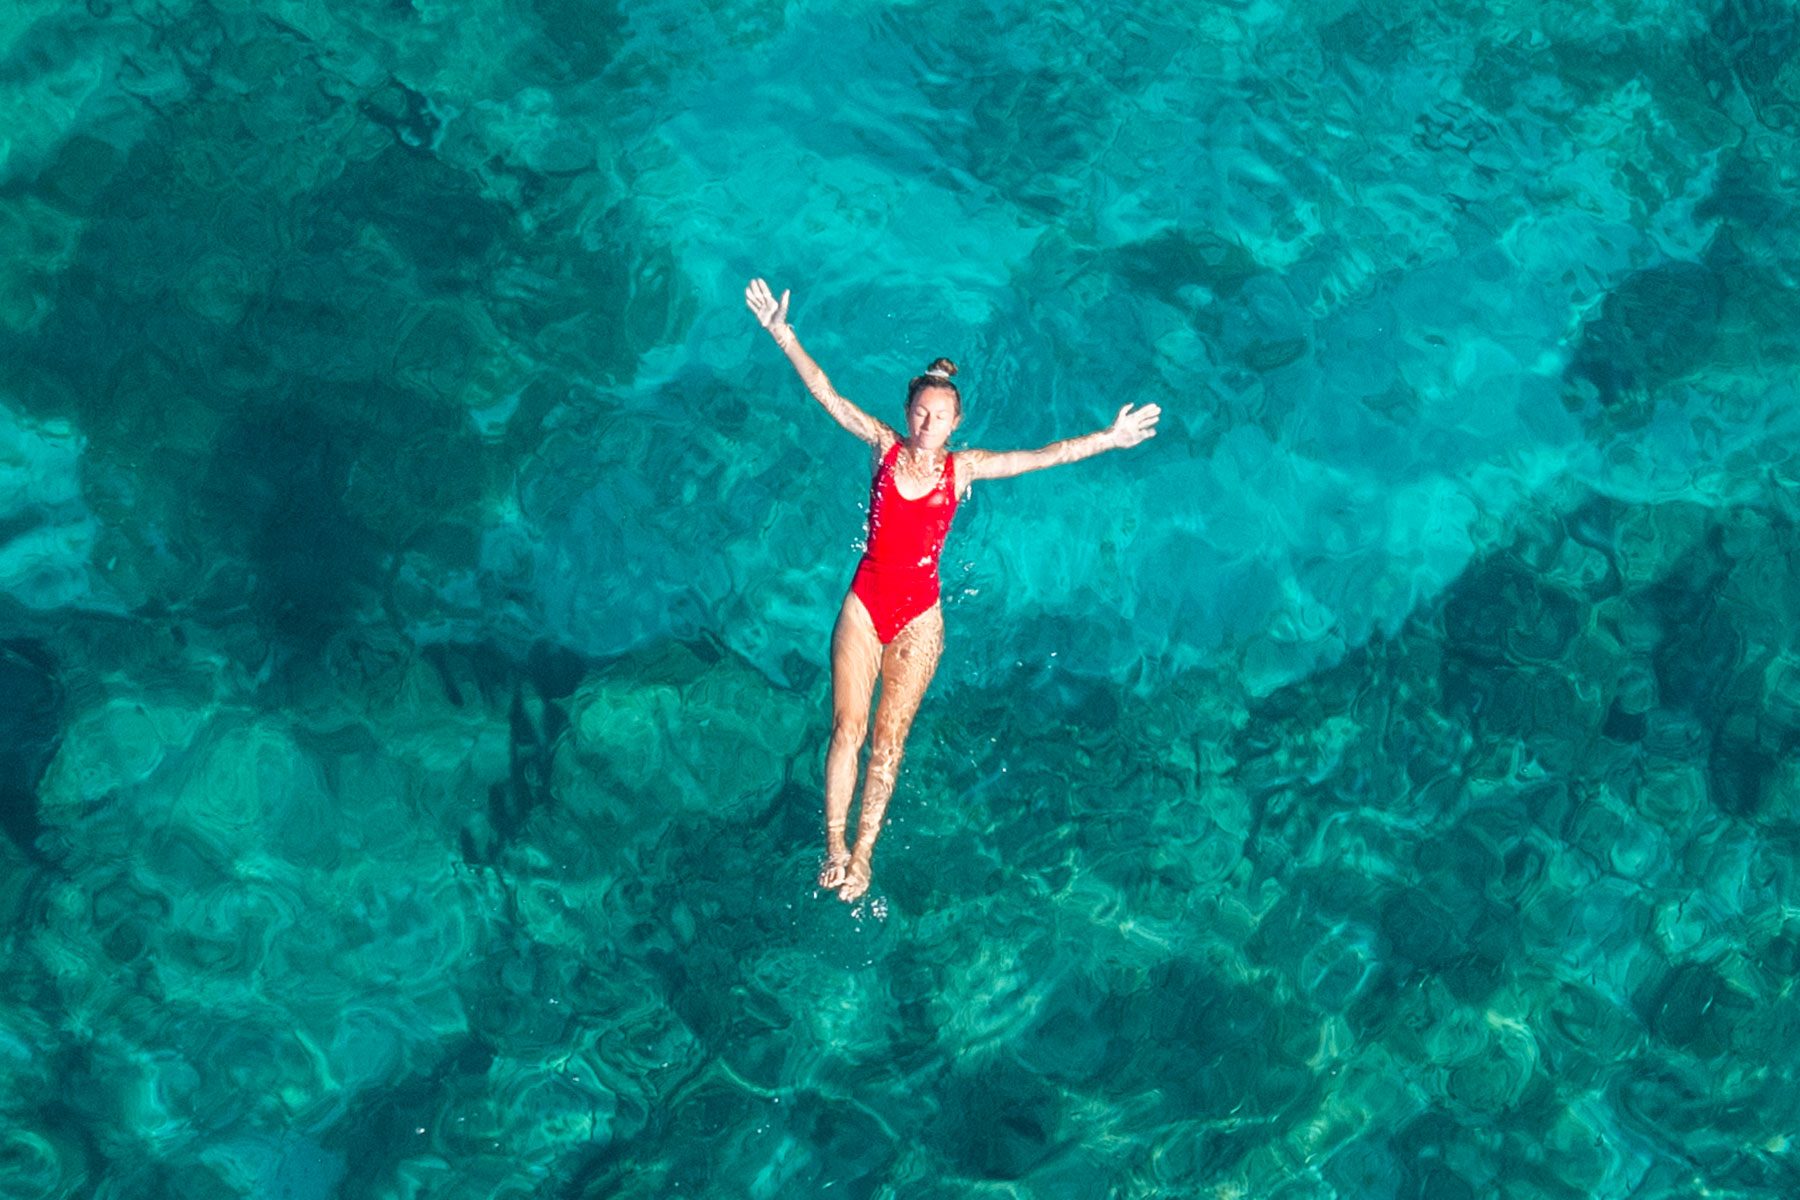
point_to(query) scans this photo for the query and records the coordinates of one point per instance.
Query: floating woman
(891, 625)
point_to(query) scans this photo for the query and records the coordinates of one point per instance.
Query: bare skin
(905, 665)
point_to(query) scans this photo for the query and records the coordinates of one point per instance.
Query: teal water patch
(416, 573)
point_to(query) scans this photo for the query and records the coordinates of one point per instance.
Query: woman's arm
(1129, 428)
(773, 317)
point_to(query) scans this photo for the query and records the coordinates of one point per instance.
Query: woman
(891, 624)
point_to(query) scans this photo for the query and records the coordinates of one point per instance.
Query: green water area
(418, 572)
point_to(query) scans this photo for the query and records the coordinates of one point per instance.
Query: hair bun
(941, 368)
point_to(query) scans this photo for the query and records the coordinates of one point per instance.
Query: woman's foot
(855, 880)
(832, 873)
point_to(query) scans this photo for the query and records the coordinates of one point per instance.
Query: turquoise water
(416, 571)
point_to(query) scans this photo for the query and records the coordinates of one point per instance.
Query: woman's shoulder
(962, 464)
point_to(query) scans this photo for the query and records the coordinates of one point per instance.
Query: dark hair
(937, 375)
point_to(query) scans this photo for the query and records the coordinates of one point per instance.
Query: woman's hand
(770, 313)
(1133, 426)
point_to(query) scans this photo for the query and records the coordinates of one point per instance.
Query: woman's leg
(855, 662)
(907, 666)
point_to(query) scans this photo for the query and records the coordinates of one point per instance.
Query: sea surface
(417, 570)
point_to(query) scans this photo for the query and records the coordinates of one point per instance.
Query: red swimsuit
(898, 576)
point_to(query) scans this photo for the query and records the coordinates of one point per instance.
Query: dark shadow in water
(277, 483)
(382, 1130)
(1655, 327)
(31, 721)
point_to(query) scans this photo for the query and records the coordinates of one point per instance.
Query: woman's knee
(886, 753)
(847, 729)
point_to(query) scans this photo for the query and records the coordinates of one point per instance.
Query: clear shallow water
(415, 574)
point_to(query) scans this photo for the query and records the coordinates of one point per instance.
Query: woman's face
(932, 417)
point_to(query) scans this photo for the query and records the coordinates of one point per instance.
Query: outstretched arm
(773, 317)
(1130, 427)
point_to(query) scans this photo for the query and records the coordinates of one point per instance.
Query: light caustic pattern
(416, 575)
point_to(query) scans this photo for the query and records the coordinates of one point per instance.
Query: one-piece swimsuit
(898, 576)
